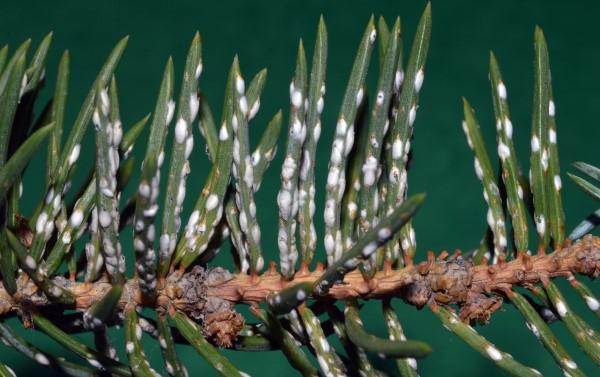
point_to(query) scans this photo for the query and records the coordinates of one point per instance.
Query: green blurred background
(265, 34)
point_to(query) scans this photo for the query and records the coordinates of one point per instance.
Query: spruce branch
(182, 296)
(446, 280)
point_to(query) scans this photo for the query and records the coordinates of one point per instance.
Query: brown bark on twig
(201, 294)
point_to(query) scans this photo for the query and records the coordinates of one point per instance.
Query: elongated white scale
(180, 131)
(501, 90)
(194, 105)
(503, 151)
(412, 114)
(170, 111)
(74, 155)
(535, 144)
(493, 353)
(397, 149)
(419, 80)
(359, 96)
(254, 109)
(240, 85)
(380, 98)
(508, 127)
(296, 98)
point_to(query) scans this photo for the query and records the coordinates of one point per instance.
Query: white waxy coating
(336, 152)
(493, 353)
(289, 168)
(284, 200)
(104, 100)
(74, 155)
(535, 143)
(551, 108)
(256, 233)
(533, 329)
(398, 78)
(138, 244)
(561, 308)
(306, 165)
(104, 218)
(465, 128)
(419, 80)
(30, 262)
(570, 363)
(170, 111)
(138, 332)
(412, 363)
(296, 129)
(164, 242)
(478, 169)
(260, 263)
(412, 115)
(296, 98)
(96, 119)
(369, 170)
(181, 131)
(194, 105)
(372, 36)
(329, 243)
(342, 127)
(198, 71)
(223, 134)
(508, 127)
(76, 218)
(24, 84)
(163, 342)
(352, 208)
(397, 149)
(349, 141)
(359, 96)
(545, 159)
(300, 295)
(189, 146)
(49, 196)
(490, 218)
(540, 225)
(503, 151)
(66, 238)
(240, 86)
(557, 183)
(333, 177)
(592, 303)
(501, 90)
(129, 347)
(384, 233)
(41, 358)
(369, 249)
(329, 215)
(254, 109)
(144, 189)
(243, 105)
(243, 222)
(317, 131)
(320, 104)
(502, 242)
(12, 372)
(40, 224)
(380, 98)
